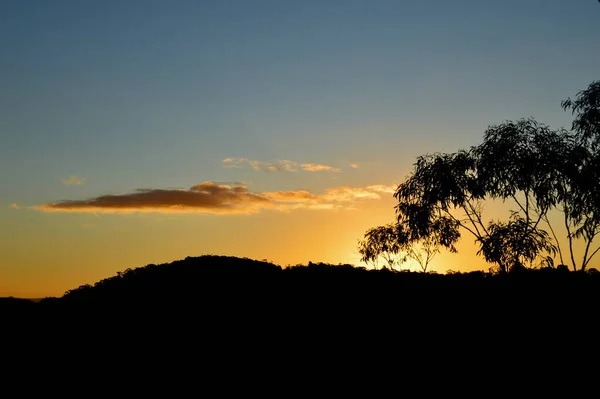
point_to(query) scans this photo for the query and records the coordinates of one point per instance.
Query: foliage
(514, 244)
(395, 244)
(438, 183)
(586, 109)
(385, 242)
(536, 168)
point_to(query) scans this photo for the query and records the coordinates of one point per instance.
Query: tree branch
(570, 236)
(478, 235)
(478, 218)
(555, 239)
(592, 255)
(461, 224)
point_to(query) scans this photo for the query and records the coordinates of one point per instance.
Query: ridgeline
(217, 308)
(214, 283)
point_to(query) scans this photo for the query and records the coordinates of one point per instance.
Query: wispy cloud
(349, 194)
(260, 166)
(14, 206)
(73, 180)
(313, 167)
(380, 188)
(291, 196)
(354, 166)
(232, 162)
(281, 165)
(210, 197)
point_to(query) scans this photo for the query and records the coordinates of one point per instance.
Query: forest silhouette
(217, 318)
(245, 288)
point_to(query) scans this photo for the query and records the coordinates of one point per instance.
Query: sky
(144, 131)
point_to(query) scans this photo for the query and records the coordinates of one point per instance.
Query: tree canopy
(538, 170)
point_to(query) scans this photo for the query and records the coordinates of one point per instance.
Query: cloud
(232, 162)
(354, 166)
(281, 165)
(214, 198)
(73, 180)
(380, 188)
(260, 166)
(288, 166)
(207, 197)
(313, 167)
(291, 196)
(349, 194)
(14, 206)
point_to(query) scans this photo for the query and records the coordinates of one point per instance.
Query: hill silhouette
(237, 312)
(218, 284)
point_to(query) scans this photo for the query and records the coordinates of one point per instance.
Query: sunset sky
(142, 131)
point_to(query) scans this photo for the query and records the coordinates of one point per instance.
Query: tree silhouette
(524, 162)
(581, 201)
(396, 244)
(513, 245)
(440, 185)
(385, 242)
(586, 109)
(535, 168)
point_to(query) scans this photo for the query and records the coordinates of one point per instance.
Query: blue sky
(156, 94)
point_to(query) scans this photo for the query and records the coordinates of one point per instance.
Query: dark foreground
(230, 318)
(251, 293)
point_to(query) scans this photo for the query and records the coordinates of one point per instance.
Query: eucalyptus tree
(581, 202)
(527, 163)
(442, 187)
(395, 244)
(537, 169)
(438, 184)
(513, 245)
(423, 249)
(456, 187)
(383, 242)
(552, 170)
(586, 111)
(583, 209)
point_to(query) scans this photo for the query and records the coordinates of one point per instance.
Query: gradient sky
(266, 129)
